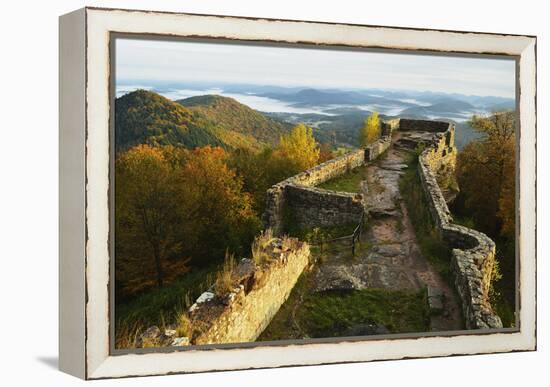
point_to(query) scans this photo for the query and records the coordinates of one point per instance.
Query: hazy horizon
(155, 61)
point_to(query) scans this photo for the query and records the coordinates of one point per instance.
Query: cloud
(155, 60)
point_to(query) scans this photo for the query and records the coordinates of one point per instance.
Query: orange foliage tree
(219, 214)
(486, 174)
(147, 214)
(176, 208)
(296, 152)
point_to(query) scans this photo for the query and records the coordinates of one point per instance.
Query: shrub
(184, 328)
(261, 242)
(224, 278)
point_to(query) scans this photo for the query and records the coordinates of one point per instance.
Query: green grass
(504, 289)
(348, 182)
(333, 314)
(432, 246)
(161, 306)
(464, 221)
(504, 308)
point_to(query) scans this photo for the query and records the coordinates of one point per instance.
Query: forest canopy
(486, 173)
(178, 208)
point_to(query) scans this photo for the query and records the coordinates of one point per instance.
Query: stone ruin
(473, 253)
(242, 314)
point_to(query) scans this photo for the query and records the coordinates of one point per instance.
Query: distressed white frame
(85, 349)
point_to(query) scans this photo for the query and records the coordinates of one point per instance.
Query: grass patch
(503, 291)
(309, 314)
(283, 326)
(464, 221)
(432, 246)
(504, 308)
(335, 314)
(348, 182)
(224, 278)
(160, 306)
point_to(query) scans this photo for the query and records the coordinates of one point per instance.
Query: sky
(156, 60)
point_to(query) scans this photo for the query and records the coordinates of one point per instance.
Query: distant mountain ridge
(335, 115)
(315, 97)
(433, 102)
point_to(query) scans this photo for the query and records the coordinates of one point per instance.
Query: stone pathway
(393, 259)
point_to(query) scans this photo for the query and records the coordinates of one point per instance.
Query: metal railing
(356, 236)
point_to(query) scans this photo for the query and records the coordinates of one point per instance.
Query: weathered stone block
(242, 316)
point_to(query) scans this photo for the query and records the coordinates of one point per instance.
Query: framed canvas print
(244, 193)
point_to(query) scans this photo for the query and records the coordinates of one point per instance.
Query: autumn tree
(296, 152)
(257, 171)
(370, 132)
(176, 209)
(486, 174)
(298, 148)
(147, 214)
(219, 214)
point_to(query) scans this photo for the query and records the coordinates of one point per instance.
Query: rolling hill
(231, 115)
(145, 117)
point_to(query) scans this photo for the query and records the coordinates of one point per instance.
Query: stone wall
(321, 208)
(374, 150)
(473, 253)
(313, 206)
(406, 125)
(441, 154)
(317, 207)
(243, 314)
(388, 126)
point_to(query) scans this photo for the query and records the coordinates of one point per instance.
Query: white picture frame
(85, 163)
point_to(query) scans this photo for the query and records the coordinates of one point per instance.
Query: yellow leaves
(171, 204)
(177, 208)
(486, 174)
(371, 130)
(299, 147)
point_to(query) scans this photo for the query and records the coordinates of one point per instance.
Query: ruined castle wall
(242, 315)
(374, 150)
(406, 124)
(328, 170)
(314, 207)
(297, 195)
(473, 253)
(388, 126)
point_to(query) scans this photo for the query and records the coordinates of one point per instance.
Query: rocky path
(391, 257)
